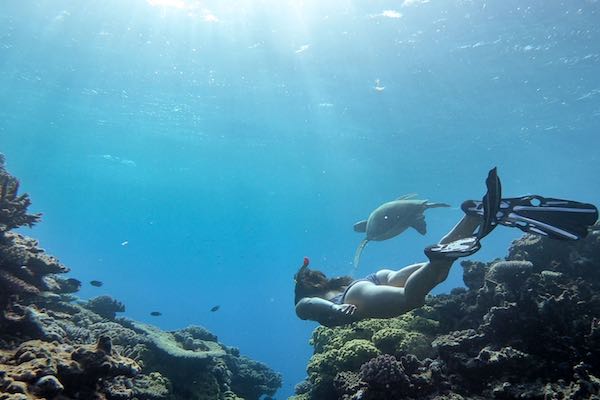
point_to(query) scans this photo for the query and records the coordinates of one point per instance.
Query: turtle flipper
(358, 253)
(360, 226)
(429, 204)
(420, 225)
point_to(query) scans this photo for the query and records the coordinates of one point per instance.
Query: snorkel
(305, 262)
(302, 269)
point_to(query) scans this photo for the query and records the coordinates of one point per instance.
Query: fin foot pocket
(452, 250)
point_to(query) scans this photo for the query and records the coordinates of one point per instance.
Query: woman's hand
(347, 309)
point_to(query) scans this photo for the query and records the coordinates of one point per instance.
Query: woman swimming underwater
(390, 293)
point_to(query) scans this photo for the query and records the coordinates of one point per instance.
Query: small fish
(378, 87)
(125, 243)
(215, 308)
(156, 313)
(74, 283)
(96, 283)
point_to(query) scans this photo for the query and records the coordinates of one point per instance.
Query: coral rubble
(55, 348)
(525, 327)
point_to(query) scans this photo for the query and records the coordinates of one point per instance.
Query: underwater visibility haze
(186, 155)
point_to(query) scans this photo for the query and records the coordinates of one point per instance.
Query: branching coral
(105, 306)
(13, 207)
(26, 271)
(385, 374)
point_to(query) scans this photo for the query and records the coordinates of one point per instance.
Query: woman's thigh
(377, 301)
(397, 278)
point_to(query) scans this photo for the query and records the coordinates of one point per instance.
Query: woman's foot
(453, 250)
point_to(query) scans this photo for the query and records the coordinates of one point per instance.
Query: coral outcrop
(525, 327)
(54, 347)
(47, 369)
(347, 348)
(105, 306)
(13, 207)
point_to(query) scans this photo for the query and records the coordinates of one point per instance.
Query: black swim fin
(554, 218)
(488, 208)
(490, 204)
(459, 248)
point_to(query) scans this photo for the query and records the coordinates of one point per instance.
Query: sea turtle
(391, 219)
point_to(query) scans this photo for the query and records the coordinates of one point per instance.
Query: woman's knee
(413, 302)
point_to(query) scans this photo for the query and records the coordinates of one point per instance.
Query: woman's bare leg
(397, 278)
(431, 273)
(384, 301)
(463, 229)
(466, 227)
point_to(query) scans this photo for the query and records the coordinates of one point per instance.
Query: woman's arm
(325, 312)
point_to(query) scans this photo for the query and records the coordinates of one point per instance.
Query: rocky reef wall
(54, 347)
(525, 327)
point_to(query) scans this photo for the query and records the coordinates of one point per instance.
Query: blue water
(189, 154)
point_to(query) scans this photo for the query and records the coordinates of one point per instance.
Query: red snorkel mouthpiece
(306, 262)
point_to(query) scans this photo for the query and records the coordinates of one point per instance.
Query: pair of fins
(553, 218)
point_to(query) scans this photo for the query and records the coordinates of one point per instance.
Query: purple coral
(384, 372)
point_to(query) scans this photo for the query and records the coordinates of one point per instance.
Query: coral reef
(347, 348)
(54, 347)
(105, 306)
(46, 369)
(525, 327)
(26, 271)
(13, 208)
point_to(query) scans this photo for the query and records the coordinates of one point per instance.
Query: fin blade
(360, 226)
(358, 253)
(555, 218)
(420, 225)
(491, 203)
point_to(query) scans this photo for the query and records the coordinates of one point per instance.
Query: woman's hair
(311, 283)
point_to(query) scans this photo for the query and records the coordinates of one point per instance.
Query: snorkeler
(388, 293)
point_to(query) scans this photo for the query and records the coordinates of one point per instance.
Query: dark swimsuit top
(339, 299)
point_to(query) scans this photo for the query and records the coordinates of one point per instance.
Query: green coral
(323, 367)
(422, 325)
(355, 353)
(388, 340)
(346, 348)
(325, 339)
(397, 341)
(417, 344)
